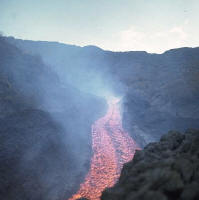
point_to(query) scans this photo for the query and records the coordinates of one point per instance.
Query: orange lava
(112, 147)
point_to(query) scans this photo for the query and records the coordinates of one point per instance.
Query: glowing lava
(112, 147)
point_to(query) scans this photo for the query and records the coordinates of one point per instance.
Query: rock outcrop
(165, 170)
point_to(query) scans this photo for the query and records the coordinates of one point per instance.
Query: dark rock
(190, 192)
(185, 168)
(165, 170)
(147, 195)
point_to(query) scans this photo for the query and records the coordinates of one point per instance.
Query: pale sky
(119, 25)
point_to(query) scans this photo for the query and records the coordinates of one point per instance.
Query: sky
(118, 25)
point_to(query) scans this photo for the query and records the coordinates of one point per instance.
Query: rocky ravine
(164, 170)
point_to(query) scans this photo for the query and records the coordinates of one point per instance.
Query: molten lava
(112, 147)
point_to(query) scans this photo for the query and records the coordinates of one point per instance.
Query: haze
(117, 25)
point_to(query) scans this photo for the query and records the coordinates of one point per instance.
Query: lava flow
(112, 147)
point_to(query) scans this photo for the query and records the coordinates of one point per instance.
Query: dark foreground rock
(165, 170)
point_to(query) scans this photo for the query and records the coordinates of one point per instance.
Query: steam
(72, 96)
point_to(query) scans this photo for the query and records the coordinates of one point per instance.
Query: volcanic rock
(165, 170)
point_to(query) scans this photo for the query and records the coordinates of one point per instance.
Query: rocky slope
(162, 94)
(45, 129)
(165, 170)
(160, 91)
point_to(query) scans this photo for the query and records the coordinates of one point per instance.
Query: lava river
(112, 147)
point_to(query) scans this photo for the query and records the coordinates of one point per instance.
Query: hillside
(160, 91)
(45, 127)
